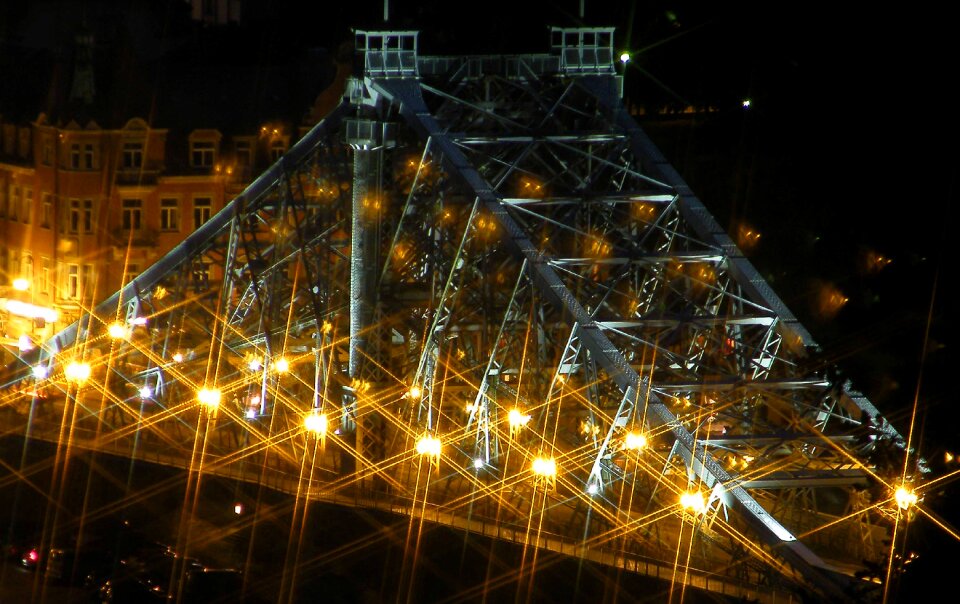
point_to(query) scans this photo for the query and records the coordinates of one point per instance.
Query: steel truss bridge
(476, 293)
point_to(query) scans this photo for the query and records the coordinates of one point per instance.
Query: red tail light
(33, 555)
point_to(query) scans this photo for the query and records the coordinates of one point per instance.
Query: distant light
(118, 331)
(281, 365)
(746, 103)
(593, 488)
(31, 311)
(209, 398)
(693, 502)
(24, 343)
(545, 466)
(316, 423)
(478, 463)
(238, 508)
(415, 393)
(141, 321)
(634, 441)
(39, 371)
(21, 284)
(33, 555)
(251, 413)
(517, 419)
(429, 445)
(255, 364)
(177, 358)
(77, 372)
(905, 498)
(146, 392)
(948, 457)
(624, 57)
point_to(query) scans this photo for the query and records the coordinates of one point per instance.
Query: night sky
(846, 150)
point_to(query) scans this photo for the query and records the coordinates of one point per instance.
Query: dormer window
(132, 155)
(202, 154)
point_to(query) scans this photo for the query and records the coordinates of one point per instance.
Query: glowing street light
(624, 57)
(77, 372)
(209, 398)
(905, 498)
(545, 467)
(316, 423)
(281, 365)
(517, 420)
(177, 357)
(146, 392)
(40, 371)
(478, 463)
(415, 393)
(593, 488)
(693, 502)
(429, 445)
(118, 331)
(545, 471)
(255, 364)
(24, 343)
(634, 441)
(21, 284)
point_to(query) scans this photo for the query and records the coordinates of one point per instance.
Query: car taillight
(33, 555)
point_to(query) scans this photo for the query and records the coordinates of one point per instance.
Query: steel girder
(488, 251)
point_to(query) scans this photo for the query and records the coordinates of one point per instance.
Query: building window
(14, 202)
(131, 214)
(132, 156)
(201, 275)
(73, 281)
(89, 162)
(46, 210)
(46, 153)
(27, 205)
(45, 276)
(169, 215)
(75, 156)
(277, 148)
(86, 279)
(202, 207)
(202, 154)
(26, 268)
(73, 224)
(87, 215)
(244, 153)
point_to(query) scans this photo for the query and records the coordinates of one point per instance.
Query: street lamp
(118, 331)
(209, 398)
(905, 498)
(692, 501)
(77, 372)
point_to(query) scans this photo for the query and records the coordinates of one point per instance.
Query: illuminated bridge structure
(477, 294)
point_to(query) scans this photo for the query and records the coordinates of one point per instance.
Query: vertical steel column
(361, 255)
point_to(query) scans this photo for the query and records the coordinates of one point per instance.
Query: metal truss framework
(487, 251)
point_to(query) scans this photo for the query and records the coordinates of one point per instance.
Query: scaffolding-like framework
(513, 317)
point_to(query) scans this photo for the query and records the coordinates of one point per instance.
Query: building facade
(84, 209)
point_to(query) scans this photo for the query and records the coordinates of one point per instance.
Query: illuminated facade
(83, 209)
